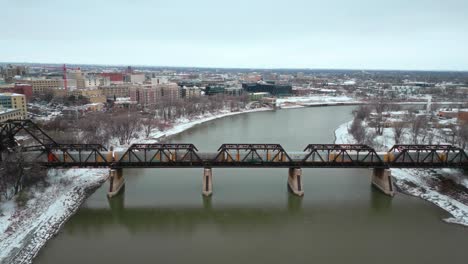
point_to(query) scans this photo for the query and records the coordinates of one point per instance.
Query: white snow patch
(313, 100)
(26, 230)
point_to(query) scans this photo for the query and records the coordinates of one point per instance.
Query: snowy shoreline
(41, 218)
(422, 183)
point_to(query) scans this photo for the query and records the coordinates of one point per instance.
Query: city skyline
(363, 35)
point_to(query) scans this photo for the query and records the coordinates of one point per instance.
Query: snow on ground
(25, 230)
(415, 182)
(287, 102)
(419, 182)
(342, 136)
(183, 124)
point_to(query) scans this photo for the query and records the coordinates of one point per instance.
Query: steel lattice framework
(428, 155)
(357, 155)
(11, 128)
(160, 155)
(249, 153)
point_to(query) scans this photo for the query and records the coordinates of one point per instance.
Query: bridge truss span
(159, 155)
(427, 156)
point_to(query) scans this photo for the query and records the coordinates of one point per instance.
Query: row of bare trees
(124, 125)
(413, 127)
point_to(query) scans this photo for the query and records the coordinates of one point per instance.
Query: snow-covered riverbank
(184, 123)
(317, 100)
(25, 230)
(423, 183)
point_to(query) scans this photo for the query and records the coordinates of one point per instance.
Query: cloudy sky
(344, 34)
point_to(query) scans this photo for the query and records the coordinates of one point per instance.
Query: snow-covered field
(420, 182)
(25, 230)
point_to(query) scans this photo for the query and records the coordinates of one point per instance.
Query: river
(251, 218)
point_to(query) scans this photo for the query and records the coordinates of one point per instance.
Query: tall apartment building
(114, 91)
(14, 101)
(190, 92)
(170, 91)
(78, 77)
(144, 95)
(147, 95)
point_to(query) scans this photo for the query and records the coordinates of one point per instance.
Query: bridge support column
(116, 182)
(295, 181)
(207, 182)
(382, 180)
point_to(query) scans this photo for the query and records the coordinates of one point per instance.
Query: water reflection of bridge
(177, 218)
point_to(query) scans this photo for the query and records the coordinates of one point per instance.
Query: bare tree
(380, 106)
(418, 123)
(398, 131)
(149, 123)
(362, 112)
(357, 130)
(124, 126)
(463, 135)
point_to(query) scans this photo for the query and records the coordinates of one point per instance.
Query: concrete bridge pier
(116, 182)
(207, 182)
(295, 181)
(382, 180)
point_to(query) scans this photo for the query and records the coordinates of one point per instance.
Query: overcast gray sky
(360, 34)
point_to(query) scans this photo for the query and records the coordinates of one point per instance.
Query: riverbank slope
(428, 184)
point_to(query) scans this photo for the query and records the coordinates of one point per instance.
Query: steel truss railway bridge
(47, 152)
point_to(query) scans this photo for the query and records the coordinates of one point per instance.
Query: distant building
(19, 88)
(114, 91)
(234, 91)
(137, 78)
(94, 81)
(463, 115)
(40, 85)
(170, 91)
(159, 80)
(76, 76)
(258, 96)
(448, 112)
(214, 89)
(147, 95)
(114, 77)
(14, 101)
(268, 87)
(191, 92)
(144, 95)
(8, 114)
